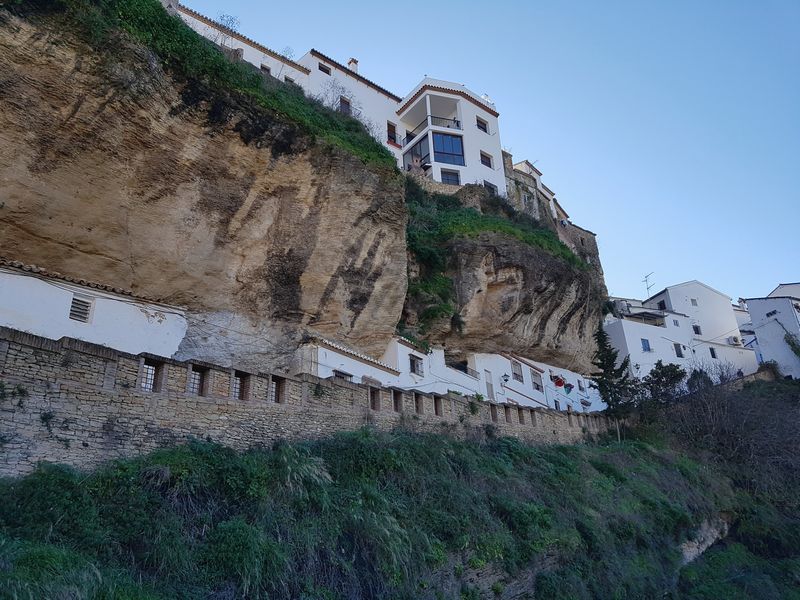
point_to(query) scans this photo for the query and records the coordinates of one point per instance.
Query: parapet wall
(79, 404)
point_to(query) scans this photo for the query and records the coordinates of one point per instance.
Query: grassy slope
(360, 515)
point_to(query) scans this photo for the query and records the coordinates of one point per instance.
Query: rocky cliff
(112, 170)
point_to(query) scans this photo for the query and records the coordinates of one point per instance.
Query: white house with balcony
(53, 305)
(776, 324)
(690, 324)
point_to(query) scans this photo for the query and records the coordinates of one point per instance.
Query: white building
(504, 379)
(690, 324)
(52, 305)
(776, 323)
(440, 128)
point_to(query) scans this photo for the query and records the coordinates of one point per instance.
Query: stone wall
(80, 404)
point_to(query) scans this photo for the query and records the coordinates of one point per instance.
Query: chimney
(352, 64)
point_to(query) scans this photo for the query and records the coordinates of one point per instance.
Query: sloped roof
(353, 353)
(669, 287)
(355, 75)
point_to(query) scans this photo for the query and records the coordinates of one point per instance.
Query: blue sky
(671, 129)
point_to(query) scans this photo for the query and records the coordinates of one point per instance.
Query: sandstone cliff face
(116, 173)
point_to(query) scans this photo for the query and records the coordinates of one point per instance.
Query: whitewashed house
(440, 129)
(53, 305)
(689, 324)
(776, 324)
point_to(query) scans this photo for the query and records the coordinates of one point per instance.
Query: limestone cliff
(112, 170)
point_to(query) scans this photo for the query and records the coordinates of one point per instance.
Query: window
(288, 80)
(374, 398)
(486, 160)
(344, 106)
(646, 345)
(516, 371)
(152, 375)
(451, 177)
(419, 403)
(662, 305)
(437, 405)
(536, 381)
(676, 322)
(694, 301)
(342, 375)
(448, 149)
(581, 387)
(490, 186)
(266, 70)
(697, 330)
(80, 309)
(397, 401)
(713, 352)
(240, 385)
(391, 133)
(415, 363)
(493, 412)
(482, 125)
(558, 404)
(489, 385)
(324, 68)
(507, 413)
(678, 350)
(278, 390)
(521, 416)
(198, 381)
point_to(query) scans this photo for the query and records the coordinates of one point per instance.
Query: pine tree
(614, 382)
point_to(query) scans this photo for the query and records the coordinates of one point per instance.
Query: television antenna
(647, 284)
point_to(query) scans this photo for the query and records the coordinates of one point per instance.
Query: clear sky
(669, 128)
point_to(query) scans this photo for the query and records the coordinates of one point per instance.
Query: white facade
(773, 319)
(43, 305)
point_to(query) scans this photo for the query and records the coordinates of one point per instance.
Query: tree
(614, 382)
(698, 381)
(660, 387)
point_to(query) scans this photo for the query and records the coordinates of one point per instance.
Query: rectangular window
(490, 186)
(391, 133)
(374, 398)
(415, 364)
(676, 322)
(694, 301)
(678, 350)
(344, 106)
(662, 305)
(152, 375)
(448, 149)
(645, 345)
(482, 125)
(341, 375)
(507, 411)
(198, 381)
(451, 177)
(581, 387)
(697, 330)
(493, 412)
(419, 403)
(437, 405)
(558, 404)
(486, 160)
(265, 69)
(489, 385)
(80, 309)
(536, 381)
(516, 371)
(240, 385)
(521, 416)
(278, 390)
(713, 352)
(397, 401)
(324, 68)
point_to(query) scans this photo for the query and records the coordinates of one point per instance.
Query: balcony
(434, 121)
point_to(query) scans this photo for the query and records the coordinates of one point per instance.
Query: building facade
(776, 324)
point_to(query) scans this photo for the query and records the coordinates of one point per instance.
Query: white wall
(42, 306)
(771, 330)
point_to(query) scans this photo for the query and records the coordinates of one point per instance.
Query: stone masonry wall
(80, 404)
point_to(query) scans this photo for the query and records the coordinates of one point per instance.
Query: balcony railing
(431, 120)
(464, 369)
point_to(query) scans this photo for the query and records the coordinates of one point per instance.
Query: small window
(490, 186)
(536, 381)
(697, 330)
(419, 403)
(645, 345)
(662, 305)
(486, 160)
(324, 68)
(266, 70)
(516, 371)
(678, 350)
(342, 376)
(437, 405)
(240, 385)
(713, 352)
(80, 309)
(558, 404)
(198, 381)
(374, 398)
(694, 301)
(489, 385)
(581, 387)
(152, 375)
(493, 412)
(391, 133)
(676, 322)
(415, 363)
(507, 413)
(482, 125)
(288, 79)
(278, 390)
(521, 416)
(397, 401)
(344, 106)
(451, 177)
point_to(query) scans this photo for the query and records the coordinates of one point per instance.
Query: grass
(189, 56)
(362, 514)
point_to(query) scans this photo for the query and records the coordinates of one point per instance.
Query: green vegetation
(187, 55)
(435, 220)
(359, 515)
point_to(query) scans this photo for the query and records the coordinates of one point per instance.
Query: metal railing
(445, 122)
(464, 369)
